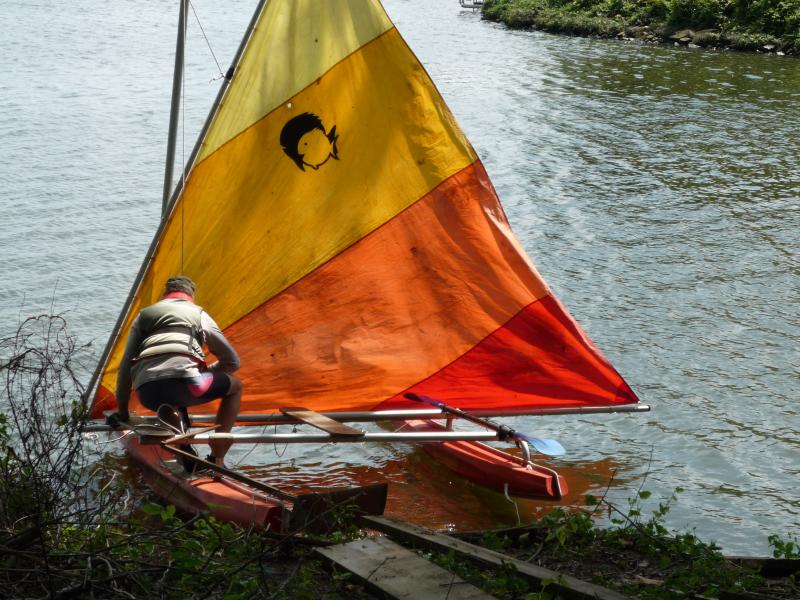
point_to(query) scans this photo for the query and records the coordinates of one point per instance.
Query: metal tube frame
(324, 438)
(394, 415)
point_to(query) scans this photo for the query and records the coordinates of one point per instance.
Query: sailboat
(346, 237)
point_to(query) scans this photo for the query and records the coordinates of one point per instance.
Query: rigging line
(205, 37)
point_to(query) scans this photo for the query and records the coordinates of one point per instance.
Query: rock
(679, 36)
(693, 46)
(779, 53)
(769, 47)
(706, 37)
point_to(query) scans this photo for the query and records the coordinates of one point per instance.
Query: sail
(345, 236)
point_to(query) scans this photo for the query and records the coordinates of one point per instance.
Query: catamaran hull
(223, 499)
(490, 467)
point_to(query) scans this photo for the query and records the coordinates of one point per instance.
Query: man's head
(180, 283)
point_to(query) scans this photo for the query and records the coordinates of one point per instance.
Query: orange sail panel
(345, 236)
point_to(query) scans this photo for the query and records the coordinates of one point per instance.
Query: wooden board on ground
(395, 572)
(768, 567)
(418, 537)
(320, 421)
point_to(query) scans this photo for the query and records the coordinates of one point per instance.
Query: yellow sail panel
(259, 213)
(294, 43)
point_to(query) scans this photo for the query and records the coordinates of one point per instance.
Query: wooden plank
(564, 585)
(767, 566)
(395, 572)
(320, 421)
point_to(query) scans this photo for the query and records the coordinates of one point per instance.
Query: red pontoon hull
(492, 468)
(220, 497)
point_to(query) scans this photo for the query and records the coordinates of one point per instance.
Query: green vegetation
(763, 25)
(159, 554)
(70, 527)
(636, 556)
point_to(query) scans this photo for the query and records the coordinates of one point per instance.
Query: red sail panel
(539, 358)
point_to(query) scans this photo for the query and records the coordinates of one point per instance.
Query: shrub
(698, 14)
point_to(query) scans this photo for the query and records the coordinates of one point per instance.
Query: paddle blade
(542, 446)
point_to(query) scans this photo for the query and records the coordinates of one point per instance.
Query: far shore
(693, 23)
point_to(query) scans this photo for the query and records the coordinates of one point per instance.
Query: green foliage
(159, 554)
(784, 549)
(502, 582)
(635, 545)
(566, 528)
(341, 521)
(696, 14)
(740, 24)
(775, 17)
(494, 542)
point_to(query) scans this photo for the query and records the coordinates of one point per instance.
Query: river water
(656, 188)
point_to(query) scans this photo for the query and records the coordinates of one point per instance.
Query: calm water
(657, 189)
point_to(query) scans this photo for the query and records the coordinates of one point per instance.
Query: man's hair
(180, 283)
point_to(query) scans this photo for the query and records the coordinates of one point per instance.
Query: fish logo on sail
(306, 142)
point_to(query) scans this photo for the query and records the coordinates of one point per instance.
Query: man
(164, 357)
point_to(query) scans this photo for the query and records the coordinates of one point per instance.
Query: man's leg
(226, 417)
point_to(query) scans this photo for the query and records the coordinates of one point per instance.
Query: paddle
(543, 446)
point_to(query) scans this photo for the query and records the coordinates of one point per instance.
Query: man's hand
(117, 419)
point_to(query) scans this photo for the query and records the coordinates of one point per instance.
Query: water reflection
(425, 492)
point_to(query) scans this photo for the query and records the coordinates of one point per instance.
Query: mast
(177, 80)
(167, 210)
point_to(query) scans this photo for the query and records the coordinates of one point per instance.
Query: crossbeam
(324, 438)
(397, 415)
(432, 413)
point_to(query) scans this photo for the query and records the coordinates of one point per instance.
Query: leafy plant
(784, 549)
(697, 14)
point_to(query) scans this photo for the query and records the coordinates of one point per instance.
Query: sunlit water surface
(656, 189)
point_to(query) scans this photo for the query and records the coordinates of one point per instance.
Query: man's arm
(124, 375)
(228, 359)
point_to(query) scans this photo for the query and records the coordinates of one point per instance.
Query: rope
(205, 37)
(516, 508)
